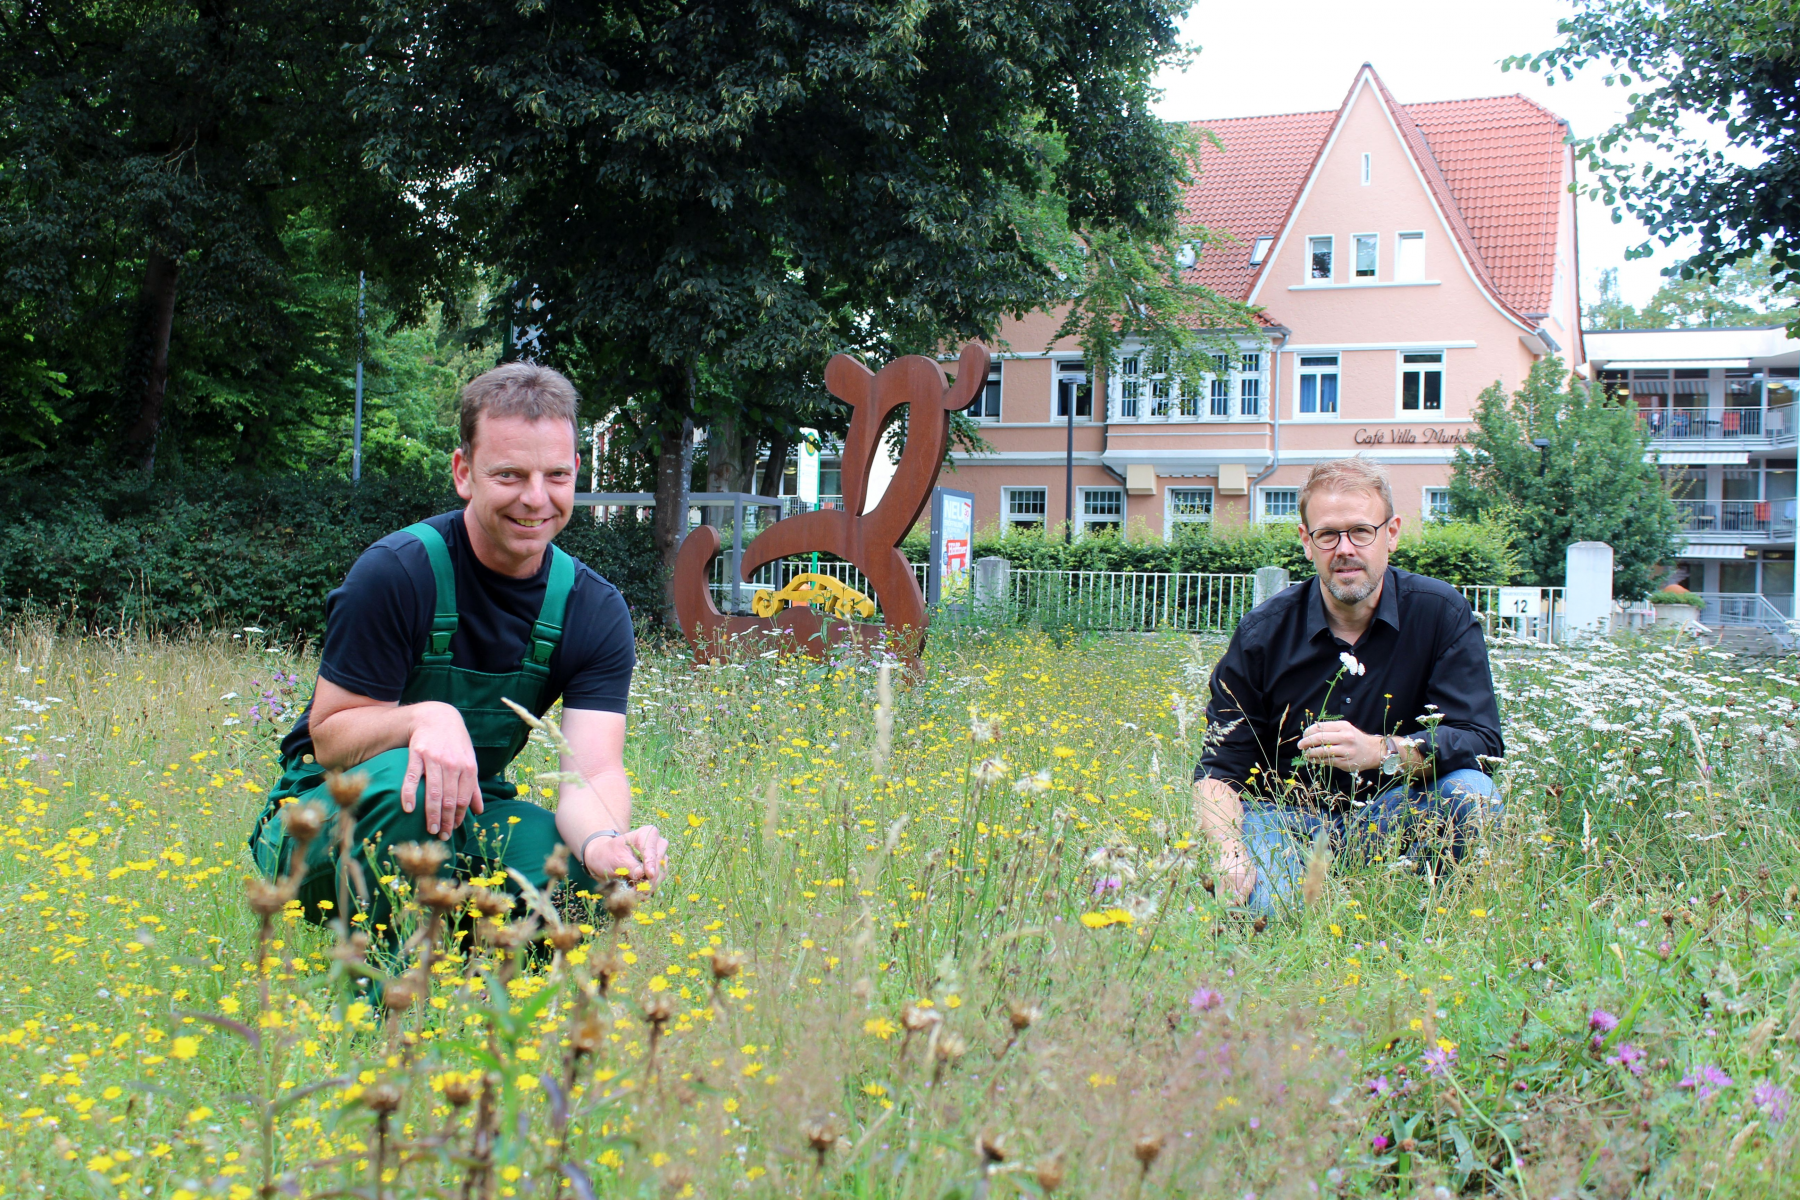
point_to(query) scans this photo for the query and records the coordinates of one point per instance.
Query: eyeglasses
(1359, 535)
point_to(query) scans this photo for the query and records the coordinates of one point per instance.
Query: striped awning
(1698, 458)
(1703, 551)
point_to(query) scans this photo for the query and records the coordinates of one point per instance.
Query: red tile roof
(1495, 166)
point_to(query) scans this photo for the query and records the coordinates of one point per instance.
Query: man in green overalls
(431, 628)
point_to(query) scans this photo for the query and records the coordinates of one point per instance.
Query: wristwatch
(589, 840)
(1391, 764)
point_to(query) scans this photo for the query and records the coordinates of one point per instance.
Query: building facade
(1718, 405)
(1403, 257)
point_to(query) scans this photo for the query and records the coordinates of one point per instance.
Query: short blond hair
(1356, 474)
(519, 389)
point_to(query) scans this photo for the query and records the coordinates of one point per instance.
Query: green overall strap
(443, 616)
(548, 631)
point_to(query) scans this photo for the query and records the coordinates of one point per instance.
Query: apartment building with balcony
(1719, 407)
(1403, 256)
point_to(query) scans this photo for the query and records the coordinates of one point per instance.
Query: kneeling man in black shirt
(1358, 702)
(434, 629)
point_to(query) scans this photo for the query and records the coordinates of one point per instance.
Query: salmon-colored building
(1404, 257)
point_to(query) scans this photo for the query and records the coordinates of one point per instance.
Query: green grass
(1647, 869)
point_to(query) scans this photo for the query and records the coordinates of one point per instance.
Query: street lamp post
(1543, 446)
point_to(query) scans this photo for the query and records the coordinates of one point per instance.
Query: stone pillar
(1588, 600)
(1269, 580)
(993, 581)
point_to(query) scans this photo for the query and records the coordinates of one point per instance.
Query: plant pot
(1677, 615)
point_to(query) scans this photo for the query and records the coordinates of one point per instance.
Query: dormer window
(1259, 250)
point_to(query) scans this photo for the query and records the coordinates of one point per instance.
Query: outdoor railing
(1128, 600)
(1731, 424)
(1519, 613)
(1745, 610)
(1769, 517)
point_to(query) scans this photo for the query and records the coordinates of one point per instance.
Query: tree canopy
(1711, 146)
(1589, 483)
(1741, 293)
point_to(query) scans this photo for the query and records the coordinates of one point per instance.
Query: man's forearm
(348, 736)
(1218, 808)
(602, 802)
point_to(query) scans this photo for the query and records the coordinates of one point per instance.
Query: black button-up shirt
(1424, 648)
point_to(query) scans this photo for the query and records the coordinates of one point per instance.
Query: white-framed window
(1024, 507)
(1421, 381)
(1250, 385)
(1368, 253)
(1101, 508)
(1160, 383)
(1073, 388)
(1435, 505)
(1409, 257)
(1131, 384)
(1317, 384)
(1259, 250)
(1279, 504)
(1368, 161)
(1186, 506)
(987, 405)
(1318, 259)
(1190, 398)
(1220, 387)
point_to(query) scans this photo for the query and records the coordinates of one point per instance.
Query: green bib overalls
(509, 832)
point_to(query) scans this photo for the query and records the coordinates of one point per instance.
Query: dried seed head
(556, 865)
(606, 969)
(989, 1149)
(726, 963)
(353, 949)
(620, 901)
(1049, 1173)
(565, 938)
(382, 1098)
(441, 895)
(459, 1090)
(989, 771)
(951, 1047)
(1147, 1148)
(491, 904)
(266, 899)
(659, 1009)
(402, 993)
(915, 1019)
(303, 822)
(1260, 924)
(346, 790)
(1209, 883)
(514, 935)
(421, 859)
(588, 1035)
(821, 1133)
(1022, 1016)
(676, 1179)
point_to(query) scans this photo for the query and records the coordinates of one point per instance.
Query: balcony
(1737, 519)
(1737, 426)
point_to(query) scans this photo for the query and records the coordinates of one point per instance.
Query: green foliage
(1456, 552)
(1741, 294)
(1590, 484)
(1687, 598)
(1695, 71)
(218, 549)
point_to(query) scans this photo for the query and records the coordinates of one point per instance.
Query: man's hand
(643, 854)
(1341, 744)
(1237, 868)
(440, 752)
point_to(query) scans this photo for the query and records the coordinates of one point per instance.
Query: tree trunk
(724, 458)
(159, 308)
(674, 469)
(776, 466)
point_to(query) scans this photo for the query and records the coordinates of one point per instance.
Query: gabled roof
(1495, 167)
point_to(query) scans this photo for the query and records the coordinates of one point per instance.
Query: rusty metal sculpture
(870, 541)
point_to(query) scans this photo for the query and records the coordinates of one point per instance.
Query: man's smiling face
(1350, 572)
(518, 483)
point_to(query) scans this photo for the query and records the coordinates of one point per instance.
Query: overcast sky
(1303, 54)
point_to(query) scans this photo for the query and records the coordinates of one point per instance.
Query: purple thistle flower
(1107, 883)
(1205, 999)
(1601, 1021)
(1629, 1057)
(1380, 1085)
(1379, 1142)
(1705, 1081)
(1439, 1060)
(1773, 1100)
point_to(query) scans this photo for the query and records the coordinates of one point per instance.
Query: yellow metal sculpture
(835, 597)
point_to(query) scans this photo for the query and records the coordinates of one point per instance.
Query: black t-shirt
(378, 623)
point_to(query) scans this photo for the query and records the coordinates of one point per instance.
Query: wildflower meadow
(947, 938)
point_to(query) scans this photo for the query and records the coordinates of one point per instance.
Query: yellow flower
(1063, 752)
(881, 1027)
(1478, 913)
(184, 1047)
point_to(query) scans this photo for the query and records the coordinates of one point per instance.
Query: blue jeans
(1433, 817)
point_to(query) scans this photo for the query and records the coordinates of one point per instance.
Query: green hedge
(219, 549)
(1456, 552)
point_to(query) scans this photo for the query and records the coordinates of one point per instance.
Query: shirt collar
(1386, 609)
